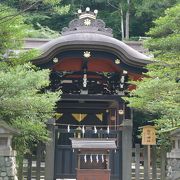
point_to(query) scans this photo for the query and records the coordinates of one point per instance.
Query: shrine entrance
(92, 70)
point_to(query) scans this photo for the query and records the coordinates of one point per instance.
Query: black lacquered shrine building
(92, 69)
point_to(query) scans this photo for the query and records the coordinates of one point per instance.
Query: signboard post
(149, 138)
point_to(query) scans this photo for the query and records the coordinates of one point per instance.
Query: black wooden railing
(34, 166)
(66, 157)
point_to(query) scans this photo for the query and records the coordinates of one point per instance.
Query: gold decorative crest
(87, 22)
(117, 61)
(87, 54)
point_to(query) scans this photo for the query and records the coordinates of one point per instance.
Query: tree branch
(112, 5)
(4, 19)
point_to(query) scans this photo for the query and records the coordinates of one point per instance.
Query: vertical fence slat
(145, 155)
(38, 161)
(29, 167)
(137, 161)
(163, 163)
(154, 165)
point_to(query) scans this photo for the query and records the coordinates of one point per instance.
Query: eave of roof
(93, 143)
(92, 41)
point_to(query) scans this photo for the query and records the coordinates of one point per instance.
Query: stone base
(173, 169)
(8, 168)
(7, 152)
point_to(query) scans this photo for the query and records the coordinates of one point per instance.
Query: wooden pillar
(127, 148)
(50, 151)
(145, 155)
(154, 159)
(38, 161)
(119, 121)
(29, 174)
(163, 162)
(137, 161)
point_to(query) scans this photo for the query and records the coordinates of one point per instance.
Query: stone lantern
(173, 157)
(7, 155)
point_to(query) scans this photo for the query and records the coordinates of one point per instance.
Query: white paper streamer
(108, 130)
(97, 158)
(85, 158)
(83, 130)
(102, 158)
(68, 128)
(95, 129)
(91, 159)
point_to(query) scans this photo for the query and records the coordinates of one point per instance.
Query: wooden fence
(34, 166)
(140, 163)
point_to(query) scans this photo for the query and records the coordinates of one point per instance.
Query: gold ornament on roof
(87, 22)
(87, 54)
(55, 60)
(125, 72)
(87, 13)
(117, 61)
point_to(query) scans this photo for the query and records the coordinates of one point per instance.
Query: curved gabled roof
(90, 34)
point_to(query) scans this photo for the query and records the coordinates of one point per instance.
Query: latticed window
(3, 141)
(179, 144)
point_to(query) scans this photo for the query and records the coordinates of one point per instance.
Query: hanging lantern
(125, 72)
(85, 80)
(121, 111)
(122, 79)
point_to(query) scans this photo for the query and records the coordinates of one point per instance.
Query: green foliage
(36, 11)
(56, 14)
(11, 32)
(159, 92)
(153, 8)
(42, 32)
(23, 104)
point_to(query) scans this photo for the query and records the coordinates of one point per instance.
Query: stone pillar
(126, 149)
(50, 151)
(7, 155)
(127, 145)
(173, 157)
(8, 165)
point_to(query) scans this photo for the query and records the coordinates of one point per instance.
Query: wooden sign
(149, 135)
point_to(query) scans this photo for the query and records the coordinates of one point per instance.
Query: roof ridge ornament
(87, 13)
(87, 23)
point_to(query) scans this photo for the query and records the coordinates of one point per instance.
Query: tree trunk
(122, 25)
(127, 20)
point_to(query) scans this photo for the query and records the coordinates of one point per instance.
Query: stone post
(7, 155)
(50, 151)
(173, 157)
(126, 149)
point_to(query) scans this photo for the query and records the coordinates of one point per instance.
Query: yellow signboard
(149, 135)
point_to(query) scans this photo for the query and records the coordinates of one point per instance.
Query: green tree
(23, 104)
(159, 91)
(35, 12)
